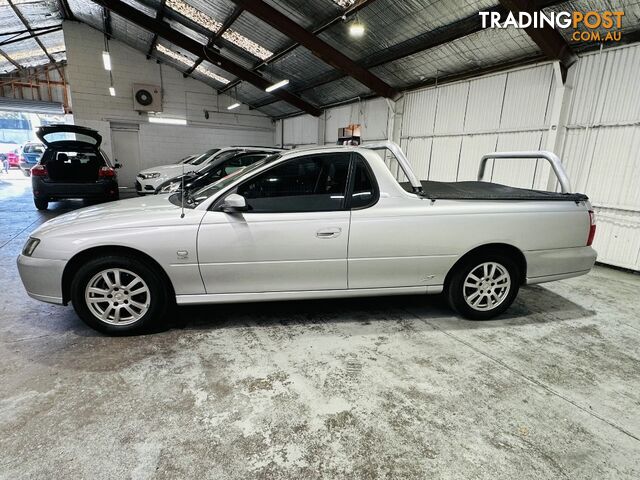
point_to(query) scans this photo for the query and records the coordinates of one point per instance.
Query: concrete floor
(393, 388)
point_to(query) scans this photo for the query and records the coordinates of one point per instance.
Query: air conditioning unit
(147, 98)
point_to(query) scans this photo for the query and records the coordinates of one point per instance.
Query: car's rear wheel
(483, 286)
(41, 204)
(119, 295)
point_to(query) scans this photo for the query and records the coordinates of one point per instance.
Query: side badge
(182, 254)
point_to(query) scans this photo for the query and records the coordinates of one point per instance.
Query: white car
(318, 223)
(147, 181)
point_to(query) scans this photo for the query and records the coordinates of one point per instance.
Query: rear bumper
(102, 189)
(550, 265)
(42, 278)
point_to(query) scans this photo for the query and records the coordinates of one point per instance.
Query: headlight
(172, 187)
(30, 246)
(147, 176)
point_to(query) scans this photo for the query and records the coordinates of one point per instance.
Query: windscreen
(39, 149)
(205, 192)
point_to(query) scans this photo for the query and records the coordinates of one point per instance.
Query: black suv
(72, 166)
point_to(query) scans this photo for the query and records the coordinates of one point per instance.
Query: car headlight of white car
(147, 176)
(172, 187)
(30, 246)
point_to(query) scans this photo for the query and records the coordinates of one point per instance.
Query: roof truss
(165, 31)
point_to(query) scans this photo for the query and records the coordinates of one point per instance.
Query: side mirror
(234, 203)
(117, 165)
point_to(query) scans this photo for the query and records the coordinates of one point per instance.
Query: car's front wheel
(41, 204)
(119, 295)
(484, 286)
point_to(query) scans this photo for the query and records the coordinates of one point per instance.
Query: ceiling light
(106, 60)
(235, 105)
(168, 121)
(275, 86)
(112, 91)
(356, 29)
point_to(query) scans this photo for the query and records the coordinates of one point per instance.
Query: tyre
(41, 204)
(119, 295)
(483, 286)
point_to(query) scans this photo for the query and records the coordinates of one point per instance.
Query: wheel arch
(79, 258)
(503, 248)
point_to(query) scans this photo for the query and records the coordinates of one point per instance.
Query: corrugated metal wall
(372, 115)
(446, 129)
(602, 149)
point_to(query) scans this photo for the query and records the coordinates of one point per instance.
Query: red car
(9, 151)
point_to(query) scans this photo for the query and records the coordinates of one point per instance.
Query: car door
(293, 237)
(385, 248)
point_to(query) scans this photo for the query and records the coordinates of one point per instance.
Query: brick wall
(182, 98)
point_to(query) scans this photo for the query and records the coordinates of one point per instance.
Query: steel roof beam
(159, 15)
(216, 36)
(356, 7)
(65, 10)
(11, 60)
(24, 21)
(551, 43)
(40, 31)
(164, 30)
(428, 40)
(318, 47)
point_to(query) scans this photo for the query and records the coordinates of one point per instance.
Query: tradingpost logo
(590, 26)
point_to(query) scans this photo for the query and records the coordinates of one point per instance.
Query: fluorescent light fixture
(106, 60)
(235, 105)
(112, 91)
(276, 86)
(356, 29)
(168, 121)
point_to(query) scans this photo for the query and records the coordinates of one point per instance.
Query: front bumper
(42, 278)
(148, 186)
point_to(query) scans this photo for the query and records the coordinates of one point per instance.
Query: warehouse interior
(381, 387)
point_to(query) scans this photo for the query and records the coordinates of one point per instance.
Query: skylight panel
(345, 3)
(213, 25)
(187, 61)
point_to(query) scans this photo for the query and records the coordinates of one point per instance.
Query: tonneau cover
(475, 190)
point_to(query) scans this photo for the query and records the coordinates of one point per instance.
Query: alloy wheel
(486, 286)
(117, 296)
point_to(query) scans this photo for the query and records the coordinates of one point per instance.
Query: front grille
(148, 187)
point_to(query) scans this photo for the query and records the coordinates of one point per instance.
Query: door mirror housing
(117, 165)
(234, 203)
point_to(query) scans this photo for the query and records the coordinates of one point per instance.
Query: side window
(309, 184)
(364, 192)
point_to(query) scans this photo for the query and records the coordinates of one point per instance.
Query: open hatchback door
(62, 135)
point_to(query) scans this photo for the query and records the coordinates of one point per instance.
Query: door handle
(329, 232)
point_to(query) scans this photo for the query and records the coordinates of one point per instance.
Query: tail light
(39, 171)
(592, 228)
(106, 172)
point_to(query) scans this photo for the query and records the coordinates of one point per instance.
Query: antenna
(183, 193)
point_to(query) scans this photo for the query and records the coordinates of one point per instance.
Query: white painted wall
(182, 98)
(592, 123)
